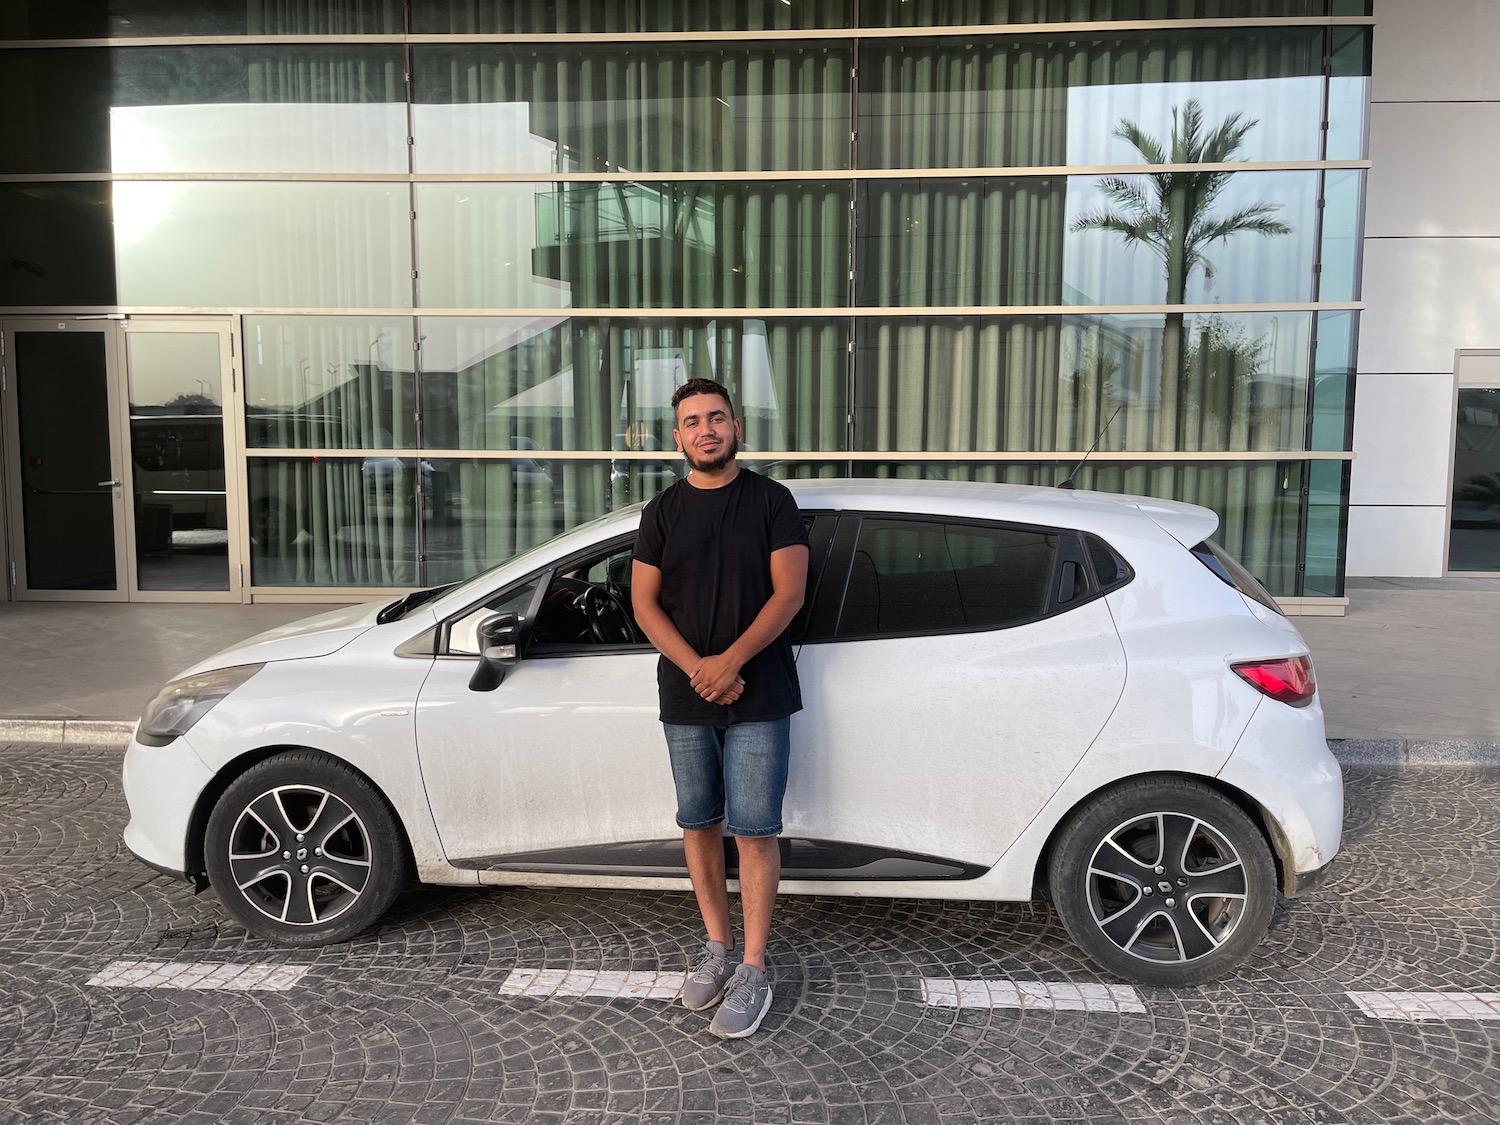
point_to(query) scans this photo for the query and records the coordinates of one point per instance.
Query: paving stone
(409, 1023)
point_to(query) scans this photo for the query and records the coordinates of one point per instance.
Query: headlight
(183, 702)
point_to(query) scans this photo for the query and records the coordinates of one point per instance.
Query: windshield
(459, 594)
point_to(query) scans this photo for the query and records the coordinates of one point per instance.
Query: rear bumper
(1283, 764)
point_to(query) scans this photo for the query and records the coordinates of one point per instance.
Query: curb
(72, 732)
(1349, 751)
(1414, 752)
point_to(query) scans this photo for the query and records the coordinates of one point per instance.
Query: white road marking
(203, 975)
(945, 992)
(551, 984)
(1428, 1005)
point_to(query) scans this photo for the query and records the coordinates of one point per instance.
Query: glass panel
(90, 19)
(1474, 542)
(539, 108)
(634, 245)
(1259, 503)
(1333, 381)
(205, 109)
(1219, 238)
(329, 383)
(914, 577)
(916, 13)
(477, 513)
(56, 245)
(345, 521)
(177, 461)
(67, 500)
(217, 245)
(1351, 7)
(1349, 94)
(1043, 383)
(584, 383)
(1327, 519)
(1224, 237)
(1343, 227)
(547, 17)
(1037, 102)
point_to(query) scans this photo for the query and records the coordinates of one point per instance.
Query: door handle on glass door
(108, 483)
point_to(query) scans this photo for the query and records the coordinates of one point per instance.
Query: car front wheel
(1163, 882)
(303, 850)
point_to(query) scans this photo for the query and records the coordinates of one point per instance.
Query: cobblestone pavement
(409, 1023)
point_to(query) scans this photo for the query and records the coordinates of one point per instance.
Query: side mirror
(499, 648)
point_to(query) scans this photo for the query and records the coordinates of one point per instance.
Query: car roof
(1048, 506)
(1103, 512)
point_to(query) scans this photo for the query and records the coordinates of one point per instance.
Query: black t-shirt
(713, 547)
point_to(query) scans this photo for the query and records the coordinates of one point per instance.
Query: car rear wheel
(1163, 882)
(303, 850)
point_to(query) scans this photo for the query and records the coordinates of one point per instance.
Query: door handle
(108, 483)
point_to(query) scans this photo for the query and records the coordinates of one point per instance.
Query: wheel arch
(236, 768)
(1275, 839)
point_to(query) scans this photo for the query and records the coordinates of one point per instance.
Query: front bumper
(162, 785)
(1305, 882)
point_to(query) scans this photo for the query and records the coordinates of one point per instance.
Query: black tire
(1149, 910)
(304, 851)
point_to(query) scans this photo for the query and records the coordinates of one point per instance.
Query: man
(720, 570)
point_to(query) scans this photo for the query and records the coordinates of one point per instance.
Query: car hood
(296, 640)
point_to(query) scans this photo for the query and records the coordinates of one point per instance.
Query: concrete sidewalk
(1410, 672)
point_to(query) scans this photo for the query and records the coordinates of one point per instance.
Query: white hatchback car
(1005, 688)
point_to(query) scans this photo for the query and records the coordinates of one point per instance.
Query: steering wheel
(609, 620)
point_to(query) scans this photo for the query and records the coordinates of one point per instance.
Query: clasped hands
(717, 679)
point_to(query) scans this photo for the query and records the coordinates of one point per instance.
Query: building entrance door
(116, 460)
(66, 509)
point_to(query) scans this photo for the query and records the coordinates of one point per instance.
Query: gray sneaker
(707, 977)
(745, 1004)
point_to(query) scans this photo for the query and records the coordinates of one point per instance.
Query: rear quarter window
(1110, 570)
(1228, 570)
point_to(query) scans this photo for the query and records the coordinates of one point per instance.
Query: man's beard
(725, 455)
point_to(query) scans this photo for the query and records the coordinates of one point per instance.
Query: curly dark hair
(701, 387)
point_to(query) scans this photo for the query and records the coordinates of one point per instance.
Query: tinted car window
(1228, 570)
(1109, 568)
(912, 576)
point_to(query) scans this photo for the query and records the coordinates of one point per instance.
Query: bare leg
(760, 874)
(704, 848)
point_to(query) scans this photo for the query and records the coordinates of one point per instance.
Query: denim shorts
(742, 765)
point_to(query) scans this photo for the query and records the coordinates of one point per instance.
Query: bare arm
(715, 675)
(645, 599)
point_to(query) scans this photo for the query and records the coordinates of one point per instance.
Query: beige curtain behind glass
(333, 522)
(606, 385)
(919, 13)
(669, 107)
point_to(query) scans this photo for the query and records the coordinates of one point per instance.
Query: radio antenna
(1098, 438)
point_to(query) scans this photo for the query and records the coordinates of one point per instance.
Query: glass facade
(465, 275)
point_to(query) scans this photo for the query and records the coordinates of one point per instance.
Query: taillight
(1289, 679)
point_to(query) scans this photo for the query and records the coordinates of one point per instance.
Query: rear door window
(916, 576)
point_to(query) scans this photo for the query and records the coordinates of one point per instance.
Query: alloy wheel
(1167, 887)
(300, 855)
